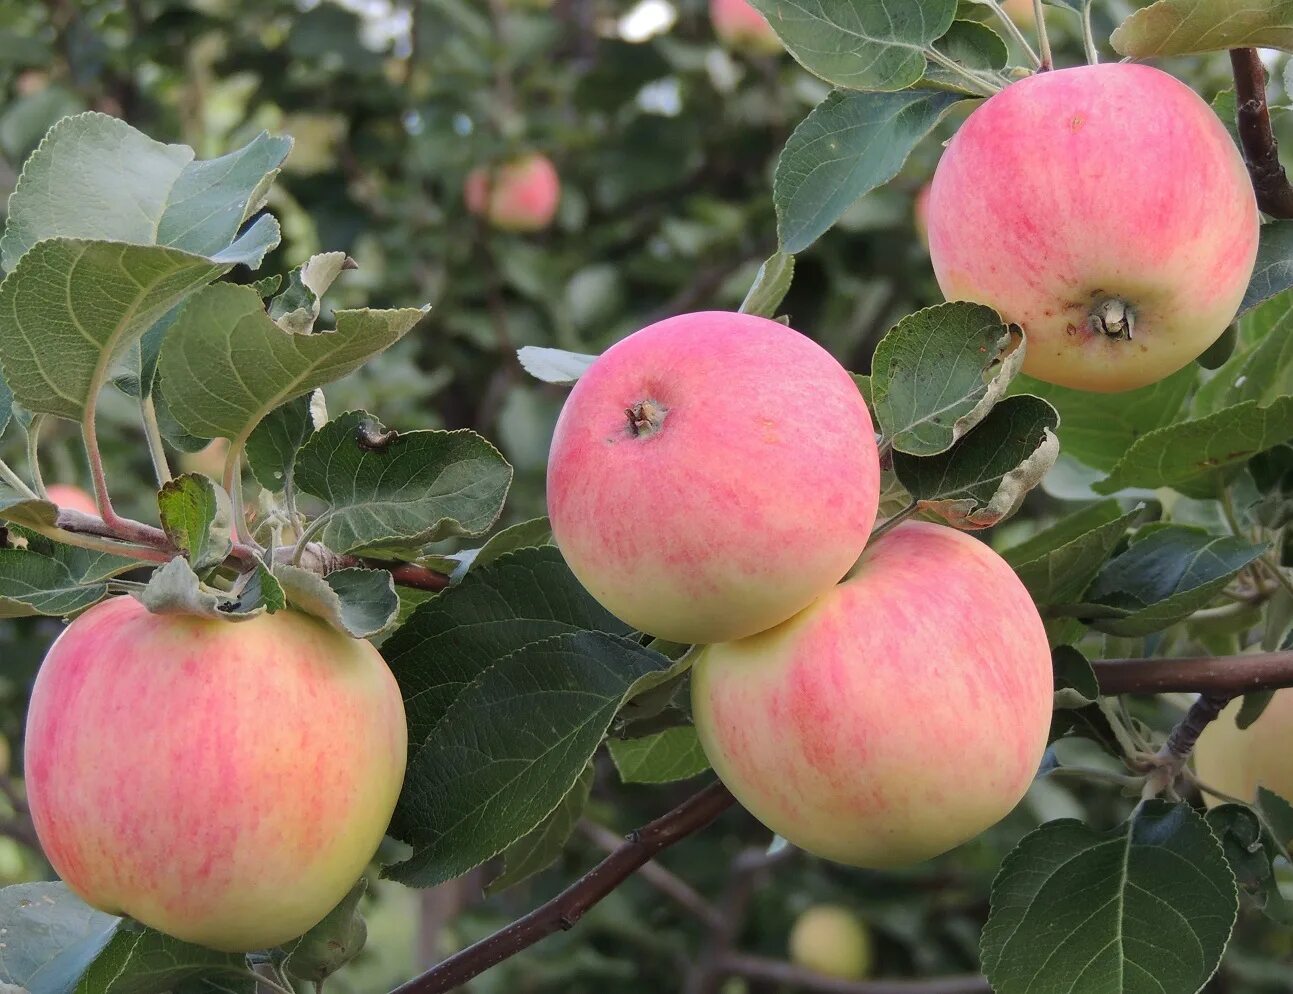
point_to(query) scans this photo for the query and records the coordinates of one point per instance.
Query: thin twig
(981, 85)
(1088, 37)
(668, 884)
(1164, 769)
(893, 522)
(91, 436)
(33, 455)
(565, 910)
(1261, 151)
(16, 482)
(800, 979)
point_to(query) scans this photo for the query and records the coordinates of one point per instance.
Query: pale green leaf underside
(1180, 27)
(226, 364)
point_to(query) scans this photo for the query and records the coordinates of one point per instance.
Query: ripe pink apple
(72, 498)
(832, 941)
(224, 783)
(1236, 761)
(517, 196)
(739, 26)
(898, 716)
(711, 475)
(1104, 208)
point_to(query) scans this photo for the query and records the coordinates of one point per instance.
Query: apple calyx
(1113, 318)
(646, 417)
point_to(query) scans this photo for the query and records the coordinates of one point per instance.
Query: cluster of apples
(712, 479)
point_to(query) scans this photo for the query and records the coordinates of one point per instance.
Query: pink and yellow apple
(900, 715)
(711, 475)
(1236, 761)
(71, 497)
(832, 941)
(520, 196)
(741, 27)
(225, 783)
(1107, 210)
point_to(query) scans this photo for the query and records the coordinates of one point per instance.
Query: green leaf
(669, 755)
(1163, 577)
(140, 960)
(1251, 850)
(1144, 909)
(71, 308)
(176, 589)
(1273, 272)
(972, 44)
(297, 308)
(771, 284)
(96, 178)
(273, 445)
(521, 597)
(332, 943)
(42, 585)
(84, 565)
(1262, 368)
(983, 478)
(6, 405)
(1183, 27)
(413, 488)
(198, 519)
(1075, 682)
(218, 390)
(511, 747)
(850, 144)
(860, 44)
(938, 373)
(1098, 432)
(1189, 455)
(524, 535)
(51, 937)
(1057, 564)
(359, 602)
(540, 848)
(554, 365)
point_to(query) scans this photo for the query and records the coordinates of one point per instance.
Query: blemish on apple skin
(1077, 122)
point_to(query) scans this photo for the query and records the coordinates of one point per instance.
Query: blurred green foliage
(665, 145)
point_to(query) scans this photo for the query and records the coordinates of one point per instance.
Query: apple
(711, 475)
(739, 26)
(1236, 761)
(1106, 210)
(71, 497)
(225, 783)
(898, 716)
(833, 941)
(520, 196)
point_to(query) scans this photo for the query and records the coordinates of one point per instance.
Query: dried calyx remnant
(1114, 318)
(645, 417)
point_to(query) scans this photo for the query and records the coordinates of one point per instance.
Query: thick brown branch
(565, 910)
(1225, 675)
(787, 974)
(1261, 151)
(412, 575)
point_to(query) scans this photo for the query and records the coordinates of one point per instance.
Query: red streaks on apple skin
(224, 782)
(925, 679)
(1080, 185)
(686, 530)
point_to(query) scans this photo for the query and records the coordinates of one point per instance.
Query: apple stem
(15, 481)
(148, 412)
(1088, 38)
(33, 460)
(894, 521)
(1043, 40)
(1015, 32)
(1166, 765)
